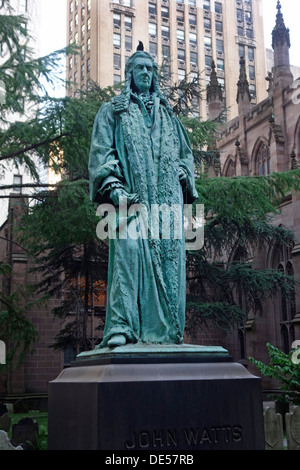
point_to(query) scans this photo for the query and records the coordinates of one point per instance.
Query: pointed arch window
(263, 163)
(287, 306)
(229, 168)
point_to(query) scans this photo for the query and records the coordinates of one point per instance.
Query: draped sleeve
(187, 164)
(104, 168)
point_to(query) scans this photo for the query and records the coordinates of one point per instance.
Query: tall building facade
(184, 35)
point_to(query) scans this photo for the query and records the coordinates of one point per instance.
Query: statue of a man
(140, 151)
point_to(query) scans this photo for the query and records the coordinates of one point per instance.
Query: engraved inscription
(193, 437)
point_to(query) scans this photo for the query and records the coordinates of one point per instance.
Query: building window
(252, 89)
(240, 31)
(207, 23)
(181, 74)
(117, 61)
(117, 40)
(285, 309)
(218, 7)
(128, 23)
(193, 38)
(117, 79)
(251, 72)
(263, 160)
(89, 24)
(193, 58)
(220, 64)
(249, 33)
(17, 181)
(180, 16)
(180, 35)
(192, 3)
(207, 42)
(219, 26)
(76, 19)
(117, 20)
(128, 43)
(71, 7)
(152, 9)
(208, 60)
(206, 4)
(153, 48)
(219, 45)
(89, 44)
(165, 32)
(248, 16)
(192, 19)
(241, 50)
(165, 12)
(127, 3)
(88, 65)
(152, 29)
(239, 14)
(181, 54)
(166, 51)
(251, 53)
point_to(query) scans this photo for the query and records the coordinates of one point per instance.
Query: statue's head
(141, 75)
(141, 72)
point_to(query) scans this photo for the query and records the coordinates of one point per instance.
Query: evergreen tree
(21, 95)
(60, 231)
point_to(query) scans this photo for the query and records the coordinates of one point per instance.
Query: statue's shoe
(117, 340)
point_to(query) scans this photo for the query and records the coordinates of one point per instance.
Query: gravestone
(25, 433)
(5, 422)
(5, 443)
(3, 409)
(273, 430)
(293, 429)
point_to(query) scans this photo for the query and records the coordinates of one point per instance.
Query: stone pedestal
(159, 401)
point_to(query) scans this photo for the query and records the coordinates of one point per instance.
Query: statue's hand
(119, 195)
(182, 176)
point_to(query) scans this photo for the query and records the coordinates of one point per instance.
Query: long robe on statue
(142, 149)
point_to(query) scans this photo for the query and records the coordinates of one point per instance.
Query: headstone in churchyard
(293, 429)
(3, 409)
(5, 443)
(273, 430)
(25, 433)
(5, 422)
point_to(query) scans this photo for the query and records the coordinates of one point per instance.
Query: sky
(54, 24)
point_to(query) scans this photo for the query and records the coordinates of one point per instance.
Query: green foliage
(239, 220)
(284, 370)
(16, 330)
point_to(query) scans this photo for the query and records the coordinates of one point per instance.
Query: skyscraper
(184, 34)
